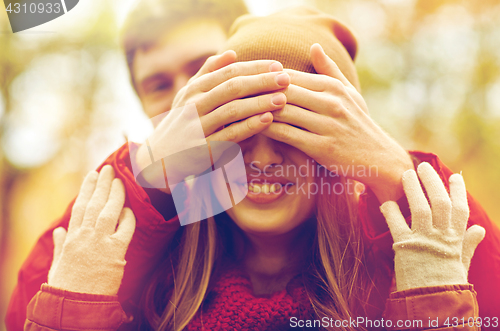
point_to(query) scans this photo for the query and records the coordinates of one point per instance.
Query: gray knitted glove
(436, 250)
(90, 257)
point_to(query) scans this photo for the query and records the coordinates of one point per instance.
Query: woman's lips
(266, 192)
(264, 187)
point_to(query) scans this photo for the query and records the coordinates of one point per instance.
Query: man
(167, 41)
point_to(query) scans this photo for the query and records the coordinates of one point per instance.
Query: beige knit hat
(287, 37)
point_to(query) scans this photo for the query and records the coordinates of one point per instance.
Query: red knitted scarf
(231, 305)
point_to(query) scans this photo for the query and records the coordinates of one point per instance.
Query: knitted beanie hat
(287, 37)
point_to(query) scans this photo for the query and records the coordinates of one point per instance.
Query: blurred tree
(17, 58)
(11, 64)
(428, 70)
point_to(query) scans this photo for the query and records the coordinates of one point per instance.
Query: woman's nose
(261, 151)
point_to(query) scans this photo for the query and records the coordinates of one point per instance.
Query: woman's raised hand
(90, 257)
(437, 250)
(327, 118)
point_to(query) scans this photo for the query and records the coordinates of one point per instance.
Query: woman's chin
(253, 218)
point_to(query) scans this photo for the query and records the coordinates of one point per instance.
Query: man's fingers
(318, 102)
(245, 129)
(473, 236)
(316, 82)
(108, 218)
(214, 63)
(240, 109)
(304, 118)
(126, 226)
(241, 87)
(459, 205)
(395, 220)
(326, 66)
(309, 143)
(247, 68)
(82, 200)
(421, 215)
(100, 196)
(440, 201)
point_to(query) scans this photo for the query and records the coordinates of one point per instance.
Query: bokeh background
(429, 69)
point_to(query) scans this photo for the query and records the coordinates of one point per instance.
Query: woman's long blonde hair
(336, 280)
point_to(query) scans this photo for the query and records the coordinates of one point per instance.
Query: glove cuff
(104, 279)
(77, 295)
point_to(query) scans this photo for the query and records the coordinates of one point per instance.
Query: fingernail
(266, 118)
(282, 79)
(278, 99)
(275, 66)
(321, 48)
(227, 52)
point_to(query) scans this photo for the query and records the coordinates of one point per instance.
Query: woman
(282, 259)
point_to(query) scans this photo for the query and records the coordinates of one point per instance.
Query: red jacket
(157, 224)
(231, 305)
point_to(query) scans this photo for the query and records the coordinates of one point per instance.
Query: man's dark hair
(150, 19)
